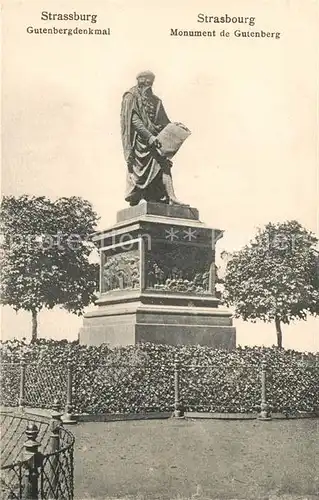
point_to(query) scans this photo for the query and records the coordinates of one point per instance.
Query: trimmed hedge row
(140, 378)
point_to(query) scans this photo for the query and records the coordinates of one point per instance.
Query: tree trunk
(279, 332)
(34, 335)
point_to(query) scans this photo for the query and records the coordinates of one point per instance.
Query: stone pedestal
(157, 281)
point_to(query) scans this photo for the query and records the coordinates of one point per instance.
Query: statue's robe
(143, 115)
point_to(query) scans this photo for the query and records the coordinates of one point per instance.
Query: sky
(250, 103)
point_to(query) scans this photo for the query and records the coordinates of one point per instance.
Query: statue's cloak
(143, 162)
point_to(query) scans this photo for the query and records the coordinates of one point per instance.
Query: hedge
(140, 378)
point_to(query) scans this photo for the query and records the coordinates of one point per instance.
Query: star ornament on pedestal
(190, 234)
(171, 234)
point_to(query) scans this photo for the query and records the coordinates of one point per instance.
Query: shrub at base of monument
(140, 379)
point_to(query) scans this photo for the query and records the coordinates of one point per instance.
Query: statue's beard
(146, 89)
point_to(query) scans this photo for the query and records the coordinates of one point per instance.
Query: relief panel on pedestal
(120, 268)
(178, 268)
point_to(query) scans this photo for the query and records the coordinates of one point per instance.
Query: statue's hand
(153, 141)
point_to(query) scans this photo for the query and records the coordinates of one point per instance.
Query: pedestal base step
(118, 326)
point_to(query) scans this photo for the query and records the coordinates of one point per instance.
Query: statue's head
(145, 79)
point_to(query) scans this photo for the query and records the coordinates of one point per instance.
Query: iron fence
(208, 388)
(10, 383)
(115, 387)
(28, 472)
(44, 384)
(222, 382)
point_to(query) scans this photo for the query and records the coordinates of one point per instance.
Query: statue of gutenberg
(142, 117)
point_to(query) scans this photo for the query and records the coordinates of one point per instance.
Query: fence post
(178, 413)
(68, 418)
(56, 424)
(33, 459)
(264, 407)
(22, 383)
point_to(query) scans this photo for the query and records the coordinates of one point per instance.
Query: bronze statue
(142, 118)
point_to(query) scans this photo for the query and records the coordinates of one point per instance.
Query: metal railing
(230, 384)
(28, 472)
(38, 386)
(265, 383)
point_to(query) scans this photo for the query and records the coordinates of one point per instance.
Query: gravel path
(197, 459)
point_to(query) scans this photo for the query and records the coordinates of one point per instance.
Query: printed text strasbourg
(72, 16)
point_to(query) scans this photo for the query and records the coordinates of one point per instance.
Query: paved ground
(193, 459)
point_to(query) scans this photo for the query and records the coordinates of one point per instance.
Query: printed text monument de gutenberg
(226, 21)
